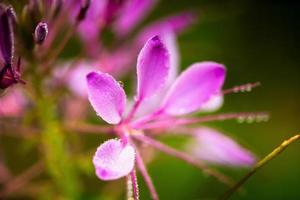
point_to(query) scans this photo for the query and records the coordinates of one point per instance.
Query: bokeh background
(257, 41)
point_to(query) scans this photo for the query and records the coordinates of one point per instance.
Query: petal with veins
(152, 68)
(106, 96)
(194, 87)
(131, 14)
(150, 105)
(112, 160)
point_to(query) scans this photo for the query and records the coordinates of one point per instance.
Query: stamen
(240, 117)
(183, 156)
(241, 88)
(146, 176)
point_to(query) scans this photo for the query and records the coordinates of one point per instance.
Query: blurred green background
(257, 41)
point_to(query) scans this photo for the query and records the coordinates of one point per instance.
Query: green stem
(55, 150)
(260, 164)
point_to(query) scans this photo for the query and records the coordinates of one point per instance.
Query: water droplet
(248, 88)
(250, 119)
(121, 83)
(236, 89)
(241, 119)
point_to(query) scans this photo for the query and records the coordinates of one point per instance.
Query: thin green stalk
(55, 151)
(260, 164)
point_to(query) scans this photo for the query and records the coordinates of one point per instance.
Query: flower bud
(40, 33)
(10, 75)
(6, 35)
(83, 10)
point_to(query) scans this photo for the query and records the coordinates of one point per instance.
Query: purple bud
(41, 32)
(7, 78)
(6, 35)
(10, 75)
(83, 10)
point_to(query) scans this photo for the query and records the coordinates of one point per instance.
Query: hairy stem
(132, 186)
(53, 144)
(55, 150)
(260, 164)
(145, 174)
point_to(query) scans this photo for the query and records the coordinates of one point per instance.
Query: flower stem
(55, 150)
(132, 186)
(145, 174)
(260, 164)
(58, 161)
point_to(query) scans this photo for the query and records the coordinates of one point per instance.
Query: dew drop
(241, 119)
(250, 119)
(236, 89)
(121, 83)
(248, 88)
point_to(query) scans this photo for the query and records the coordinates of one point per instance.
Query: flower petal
(214, 147)
(152, 68)
(175, 23)
(13, 103)
(194, 87)
(131, 14)
(76, 78)
(147, 107)
(106, 96)
(213, 104)
(113, 160)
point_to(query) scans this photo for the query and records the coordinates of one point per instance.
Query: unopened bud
(83, 10)
(40, 33)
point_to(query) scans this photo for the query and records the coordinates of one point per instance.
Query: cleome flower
(162, 103)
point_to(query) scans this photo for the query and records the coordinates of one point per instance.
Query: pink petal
(175, 23)
(151, 104)
(213, 104)
(113, 160)
(152, 68)
(216, 148)
(76, 79)
(117, 62)
(131, 14)
(12, 103)
(194, 87)
(106, 96)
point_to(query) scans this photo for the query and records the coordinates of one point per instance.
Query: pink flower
(169, 98)
(12, 103)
